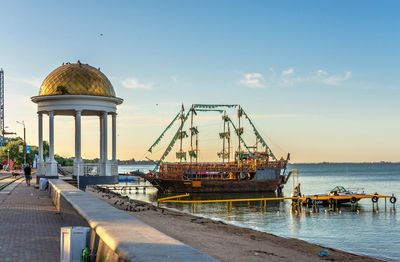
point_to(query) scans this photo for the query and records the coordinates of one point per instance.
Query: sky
(319, 78)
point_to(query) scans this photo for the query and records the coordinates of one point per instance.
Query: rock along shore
(222, 241)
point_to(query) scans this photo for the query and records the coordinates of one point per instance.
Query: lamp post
(23, 123)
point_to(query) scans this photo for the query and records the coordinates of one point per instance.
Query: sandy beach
(222, 241)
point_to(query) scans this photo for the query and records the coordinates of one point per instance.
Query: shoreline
(149, 163)
(225, 242)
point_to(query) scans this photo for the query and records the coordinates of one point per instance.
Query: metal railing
(100, 169)
(92, 169)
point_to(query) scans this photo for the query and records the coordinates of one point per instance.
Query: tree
(64, 161)
(13, 148)
(13, 145)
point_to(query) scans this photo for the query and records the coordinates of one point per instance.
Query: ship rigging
(252, 168)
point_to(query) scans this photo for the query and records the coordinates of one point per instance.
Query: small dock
(297, 201)
(177, 199)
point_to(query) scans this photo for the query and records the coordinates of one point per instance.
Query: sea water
(367, 231)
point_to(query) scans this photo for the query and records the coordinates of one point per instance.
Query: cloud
(336, 80)
(288, 72)
(174, 78)
(29, 81)
(282, 115)
(253, 80)
(288, 77)
(134, 83)
(145, 120)
(319, 76)
(19, 104)
(321, 72)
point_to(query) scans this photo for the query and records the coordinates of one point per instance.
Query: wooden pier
(177, 199)
(297, 201)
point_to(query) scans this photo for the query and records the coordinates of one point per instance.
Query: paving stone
(29, 225)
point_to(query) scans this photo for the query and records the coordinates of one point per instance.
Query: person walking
(27, 173)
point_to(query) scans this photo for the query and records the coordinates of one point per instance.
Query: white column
(107, 163)
(51, 135)
(78, 163)
(78, 134)
(101, 139)
(105, 136)
(51, 169)
(114, 138)
(40, 160)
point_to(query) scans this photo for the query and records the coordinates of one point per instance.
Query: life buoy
(375, 199)
(393, 200)
(331, 201)
(353, 200)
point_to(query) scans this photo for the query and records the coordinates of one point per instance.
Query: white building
(79, 90)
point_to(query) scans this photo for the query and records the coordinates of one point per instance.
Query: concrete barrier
(116, 235)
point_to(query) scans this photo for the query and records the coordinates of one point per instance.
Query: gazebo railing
(100, 169)
(92, 169)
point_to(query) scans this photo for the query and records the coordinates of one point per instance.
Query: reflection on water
(365, 232)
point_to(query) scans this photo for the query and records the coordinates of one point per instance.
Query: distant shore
(223, 241)
(145, 162)
(344, 163)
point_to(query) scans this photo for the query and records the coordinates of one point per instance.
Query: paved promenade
(29, 225)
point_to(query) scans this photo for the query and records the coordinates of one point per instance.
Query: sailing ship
(252, 168)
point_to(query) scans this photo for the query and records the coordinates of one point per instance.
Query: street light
(23, 123)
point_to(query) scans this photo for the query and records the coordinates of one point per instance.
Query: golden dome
(76, 79)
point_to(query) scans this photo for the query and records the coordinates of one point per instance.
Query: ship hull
(216, 186)
(232, 177)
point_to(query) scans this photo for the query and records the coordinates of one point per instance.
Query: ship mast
(239, 131)
(181, 135)
(260, 138)
(223, 139)
(191, 135)
(229, 143)
(225, 136)
(197, 146)
(193, 132)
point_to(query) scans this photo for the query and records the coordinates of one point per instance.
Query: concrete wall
(66, 210)
(116, 235)
(97, 180)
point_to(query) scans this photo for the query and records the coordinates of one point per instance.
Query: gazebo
(78, 90)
